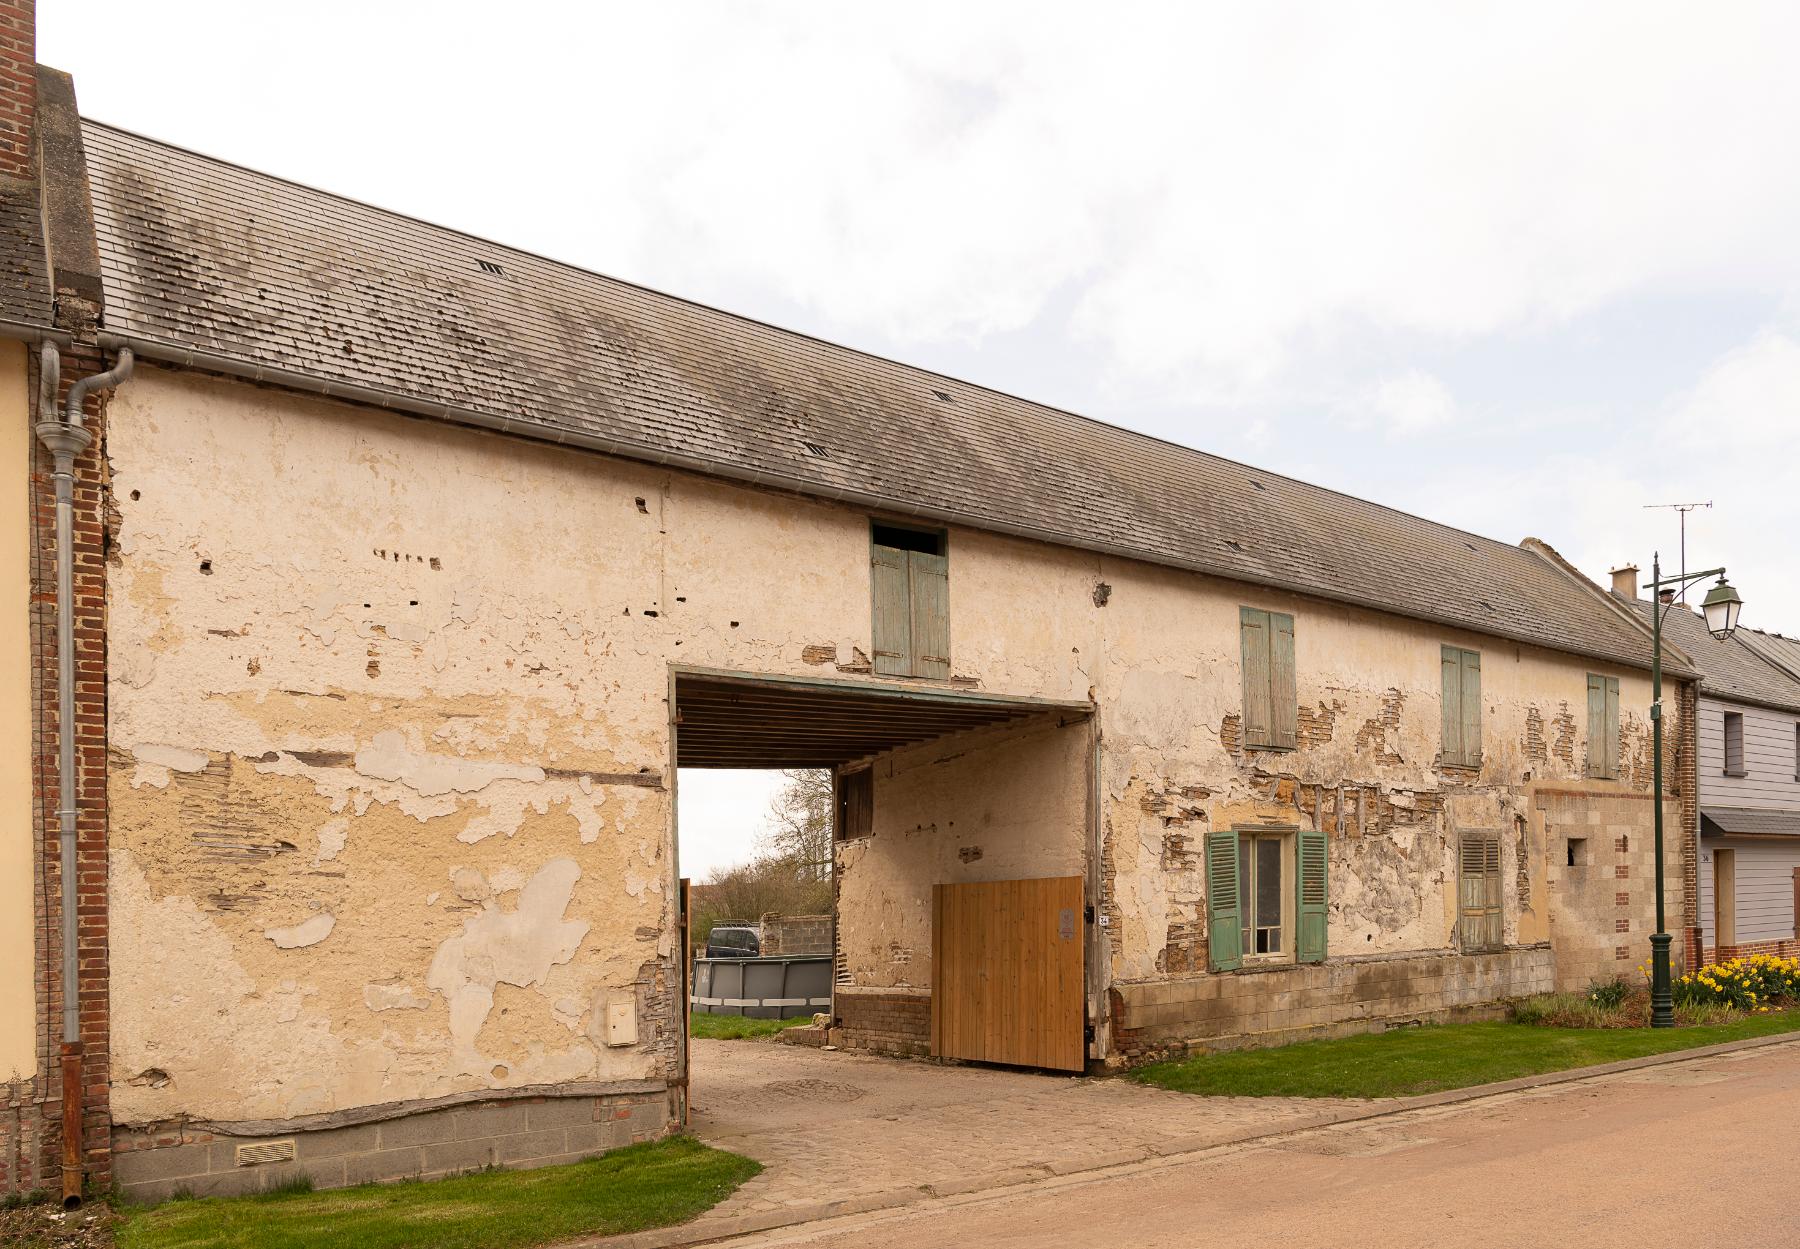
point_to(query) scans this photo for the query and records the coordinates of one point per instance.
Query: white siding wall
(1768, 759)
(1765, 887)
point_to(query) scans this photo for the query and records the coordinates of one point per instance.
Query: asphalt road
(1702, 1153)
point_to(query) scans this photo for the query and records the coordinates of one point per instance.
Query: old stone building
(414, 567)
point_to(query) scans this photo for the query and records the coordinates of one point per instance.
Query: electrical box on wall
(621, 1022)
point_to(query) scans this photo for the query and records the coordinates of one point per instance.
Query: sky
(1527, 269)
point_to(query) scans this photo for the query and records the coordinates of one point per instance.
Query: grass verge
(628, 1190)
(740, 1028)
(1411, 1061)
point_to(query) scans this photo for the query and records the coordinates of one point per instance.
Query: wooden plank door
(1009, 973)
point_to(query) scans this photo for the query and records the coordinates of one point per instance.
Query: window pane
(1268, 882)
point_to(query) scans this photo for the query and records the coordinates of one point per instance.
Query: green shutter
(1284, 701)
(1223, 906)
(1471, 708)
(930, 582)
(1612, 726)
(893, 611)
(1451, 668)
(1596, 726)
(1310, 896)
(1253, 630)
(1460, 672)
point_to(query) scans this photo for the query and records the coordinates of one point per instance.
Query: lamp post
(1721, 610)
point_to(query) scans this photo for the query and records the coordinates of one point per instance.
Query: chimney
(18, 85)
(1625, 581)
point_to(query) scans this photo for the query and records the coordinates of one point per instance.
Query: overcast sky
(1521, 268)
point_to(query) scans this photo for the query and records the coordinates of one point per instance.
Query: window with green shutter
(910, 587)
(1462, 707)
(1480, 914)
(1271, 705)
(1603, 726)
(1253, 877)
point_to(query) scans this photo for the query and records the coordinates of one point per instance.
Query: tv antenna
(1684, 509)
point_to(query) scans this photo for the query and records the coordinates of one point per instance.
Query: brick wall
(1785, 947)
(887, 1021)
(796, 936)
(30, 1110)
(18, 85)
(1685, 782)
(1245, 1009)
(154, 1164)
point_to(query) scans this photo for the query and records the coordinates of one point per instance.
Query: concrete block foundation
(155, 1163)
(1273, 1006)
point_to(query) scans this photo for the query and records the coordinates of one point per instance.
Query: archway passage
(950, 805)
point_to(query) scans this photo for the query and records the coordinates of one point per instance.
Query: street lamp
(1721, 609)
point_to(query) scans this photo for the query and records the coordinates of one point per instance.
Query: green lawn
(1425, 1060)
(641, 1186)
(739, 1028)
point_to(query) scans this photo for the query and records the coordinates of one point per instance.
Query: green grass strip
(739, 1028)
(1411, 1061)
(628, 1190)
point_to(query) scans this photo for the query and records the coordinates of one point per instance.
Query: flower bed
(1755, 985)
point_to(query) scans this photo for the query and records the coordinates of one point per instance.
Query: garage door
(1008, 972)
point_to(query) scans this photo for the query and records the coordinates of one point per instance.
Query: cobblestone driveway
(832, 1126)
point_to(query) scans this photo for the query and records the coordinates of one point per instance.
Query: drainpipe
(65, 439)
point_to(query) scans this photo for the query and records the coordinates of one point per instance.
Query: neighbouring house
(408, 568)
(1748, 766)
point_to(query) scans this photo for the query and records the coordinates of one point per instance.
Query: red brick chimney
(18, 85)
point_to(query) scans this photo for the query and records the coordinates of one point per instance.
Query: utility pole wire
(1684, 509)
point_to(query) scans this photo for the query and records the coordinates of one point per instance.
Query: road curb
(705, 1231)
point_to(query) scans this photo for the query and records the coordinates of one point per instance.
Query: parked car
(734, 941)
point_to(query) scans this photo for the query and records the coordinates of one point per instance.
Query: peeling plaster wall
(1161, 659)
(390, 745)
(973, 807)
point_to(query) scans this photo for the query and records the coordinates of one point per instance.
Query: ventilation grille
(265, 1151)
(488, 266)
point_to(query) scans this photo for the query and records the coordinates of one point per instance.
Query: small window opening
(1734, 743)
(488, 266)
(1578, 851)
(927, 541)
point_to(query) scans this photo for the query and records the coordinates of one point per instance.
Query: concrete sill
(1742, 775)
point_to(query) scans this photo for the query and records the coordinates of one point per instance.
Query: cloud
(1241, 198)
(1404, 405)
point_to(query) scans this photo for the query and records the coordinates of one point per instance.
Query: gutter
(26, 332)
(210, 362)
(66, 439)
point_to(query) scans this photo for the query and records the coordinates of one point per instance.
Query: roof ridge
(1108, 426)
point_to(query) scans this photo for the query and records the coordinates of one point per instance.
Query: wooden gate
(1008, 980)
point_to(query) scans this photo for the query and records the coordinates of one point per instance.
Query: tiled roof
(1729, 669)
(1783, 651)
(24, 276)
(199, 255)
(1756, 823)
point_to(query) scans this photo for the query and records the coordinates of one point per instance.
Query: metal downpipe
(66, 439)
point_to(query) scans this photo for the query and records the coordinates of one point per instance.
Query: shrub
(1609, 994)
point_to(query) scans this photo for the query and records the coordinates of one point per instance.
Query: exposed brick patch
(1564, 740)
(1315, 725)
(1231, 734)
(1376, 735)
(1536, 748)
(885, 1022)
